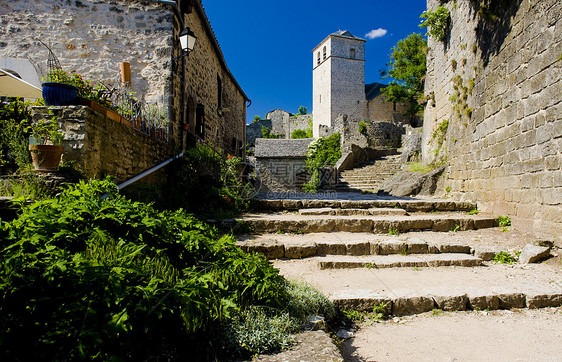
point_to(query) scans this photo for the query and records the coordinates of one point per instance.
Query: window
(394, 106)
(219, 92)
(318, 58)
(352, 53)
(324, 51)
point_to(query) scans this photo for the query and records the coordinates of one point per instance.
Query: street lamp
(187, 41)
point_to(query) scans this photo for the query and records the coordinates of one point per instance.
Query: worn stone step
(357, 201)
(295, 223)
(349, 212)
(411, 290)
(398, 261)
(407, 303)
(273, 249)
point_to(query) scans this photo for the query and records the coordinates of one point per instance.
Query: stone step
(416, 290)
(349, 212)
(272, 249)
(357, 201)
(408, 303)
(397, 261)
(296, 223)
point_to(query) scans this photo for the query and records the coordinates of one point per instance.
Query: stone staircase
(344, 247)
(369, 177)
(376, 214)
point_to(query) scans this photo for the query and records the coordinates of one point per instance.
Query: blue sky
(268, 44)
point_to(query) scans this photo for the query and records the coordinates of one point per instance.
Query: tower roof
(341, 34)
(345, 34)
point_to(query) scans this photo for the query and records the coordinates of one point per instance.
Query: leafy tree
(256, 118)
(266, 133)
(407, 67)
(302, 110)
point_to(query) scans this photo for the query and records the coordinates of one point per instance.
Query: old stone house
(339, 84)
(496, 118)
(91, 37)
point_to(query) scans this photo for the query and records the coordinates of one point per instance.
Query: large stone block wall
(99, 146)
(504, 149)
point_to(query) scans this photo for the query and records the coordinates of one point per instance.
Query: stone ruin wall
(507, 154)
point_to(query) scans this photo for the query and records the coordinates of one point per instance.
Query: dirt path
(505, 335)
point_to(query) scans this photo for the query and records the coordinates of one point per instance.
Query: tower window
(352, 53)
(324, 51)
(318, 58)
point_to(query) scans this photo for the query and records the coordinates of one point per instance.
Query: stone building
(339, 84)
(91, 37)
(496, 118)
(280, 164)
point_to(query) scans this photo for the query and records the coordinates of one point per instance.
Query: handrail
(141, 175)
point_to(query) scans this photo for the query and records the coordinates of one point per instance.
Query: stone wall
(380, 110)
(91, 38)
(504, 146)
(99, 146)
(212, 91)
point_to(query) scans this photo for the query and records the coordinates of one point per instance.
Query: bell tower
(338, 79)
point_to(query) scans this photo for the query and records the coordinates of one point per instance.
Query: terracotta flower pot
(46, 158)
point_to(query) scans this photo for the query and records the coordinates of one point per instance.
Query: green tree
(256, 118)
(407, 67)
(302, 110)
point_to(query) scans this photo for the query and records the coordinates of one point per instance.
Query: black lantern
(187, 40)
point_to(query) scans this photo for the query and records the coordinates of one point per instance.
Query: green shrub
(258, 330)
(87, 277)
(204, 184)
(299, 133)
(302, 300)
(504, 221)
(504, 258)
(266, 133)
(437, 22)
(15, 120)
(261, 330)
(363, 128)
(321, 152)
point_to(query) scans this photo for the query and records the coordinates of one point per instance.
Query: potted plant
(59, 90)
(45, 145)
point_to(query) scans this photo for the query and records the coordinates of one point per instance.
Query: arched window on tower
(324, 51)
(318, 58)
(352, 53)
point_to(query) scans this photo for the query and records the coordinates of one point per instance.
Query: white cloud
(376, 33)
